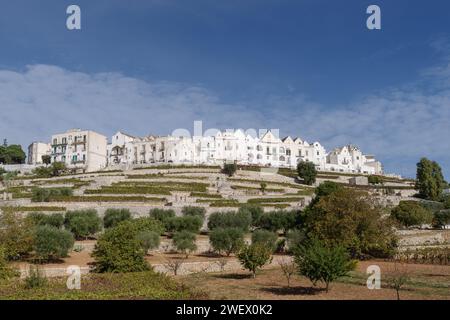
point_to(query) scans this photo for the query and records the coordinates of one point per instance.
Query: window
(64, 140)
(55, 141)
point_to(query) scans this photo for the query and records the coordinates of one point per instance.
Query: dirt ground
(426, 282)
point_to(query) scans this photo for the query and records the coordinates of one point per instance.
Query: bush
(229, 169)
(186, 223)
(16, 235)
(411, 213)
(35, 279)
(194, 211)
(254, 257)
(145, 224)
(119, 250)
(277, 220)
(325, 189)
(113, 217)
(375, 179)
(241, 219)
(255, 211)
(148, 240)
(6, 272)
(441, 219)
(227, 240)
(42, 219)
(446, 202)
(307, 171)
(294, 239)
(353, 219)
(51, 243)
(266, 238)
(162, 215)
(45, 194)
(184, 241)
(83, 223)
(318, 262)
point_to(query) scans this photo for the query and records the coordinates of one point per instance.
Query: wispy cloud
(399, 125)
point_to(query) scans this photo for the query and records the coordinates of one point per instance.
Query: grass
(285, 184)
(166, 185)
(128, 190)
(32, 209)
(239, 187)
(105, 199)
(270, 284)
(274, 200)
(77, 183)
(163, 176)
(138, 285)
(182, 166)
(206, 195)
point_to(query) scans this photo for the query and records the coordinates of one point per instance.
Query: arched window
(282, 158)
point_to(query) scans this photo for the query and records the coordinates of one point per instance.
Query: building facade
(80, 149)
(236, 146)
(35, 152)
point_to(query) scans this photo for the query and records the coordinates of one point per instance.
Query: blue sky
(310, 68)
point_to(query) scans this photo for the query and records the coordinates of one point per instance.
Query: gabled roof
(287, 139)
(269, 137)
(126, 134)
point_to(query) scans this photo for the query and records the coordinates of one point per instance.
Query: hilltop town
(90, 151)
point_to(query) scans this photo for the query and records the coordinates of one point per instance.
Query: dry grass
(427, 282)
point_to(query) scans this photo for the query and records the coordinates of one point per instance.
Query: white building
(80, 149)
(350, 159)
(35, 152)
(236, 146)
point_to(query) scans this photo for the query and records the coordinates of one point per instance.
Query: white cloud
(398, 125)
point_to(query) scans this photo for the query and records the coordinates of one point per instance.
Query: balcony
(78, 162)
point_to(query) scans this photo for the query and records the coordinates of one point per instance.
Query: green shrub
(148, 240)
(277, 220)
(51, 243)
(113, 217)
(411, 213)
(146, 224)
(41, 219)
(35, 279)
(119, 250)
(254, 257)
(184, 241)
(256, 211)
(16, 235)
(325, 189)
(229, 169)
(240, 219)
(194, 211)
(162, 215)
(375, 179)
(353, 219)
(320, 263)
(83, 223)
(446, 202)
(6, 272)
(46, 194)
(307, 171)
(294, 239)
(441, 219)
(226, 240)
(184, 223)
(266, 238)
